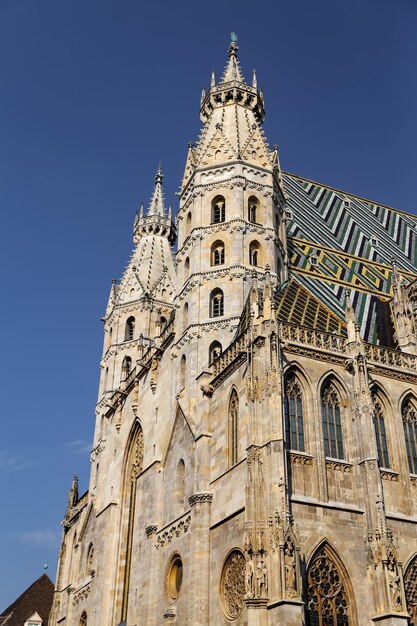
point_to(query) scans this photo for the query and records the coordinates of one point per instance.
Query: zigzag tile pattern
(354, 242)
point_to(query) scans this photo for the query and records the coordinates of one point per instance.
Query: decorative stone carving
(410, 587)
(199, 498)
(233, 585)
(261, 579)
(290, 568)
(327, 598)
(175, 530)
(81, 595)
(137, 456)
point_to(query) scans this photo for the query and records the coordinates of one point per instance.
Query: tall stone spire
(156, 221)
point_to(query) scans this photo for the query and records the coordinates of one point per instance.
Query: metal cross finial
(233, 37)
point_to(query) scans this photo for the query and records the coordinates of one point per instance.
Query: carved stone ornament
(137, 456)
(200, 498)
(175, 530)
(410, 586)
(290, 568)
(233, 585)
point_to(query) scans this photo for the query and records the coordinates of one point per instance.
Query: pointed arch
(215, 351)
(126, 367)
(233, 427)
(293, 411)
(409, 419)
(328, 592)
(379, 403)
(331, 415)
(83, 619)
(89, 562)
(130, 328)
(410, 587)
(133, 464)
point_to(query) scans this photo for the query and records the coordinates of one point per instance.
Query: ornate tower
(230, 218)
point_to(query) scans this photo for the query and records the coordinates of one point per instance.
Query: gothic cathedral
(255, 449)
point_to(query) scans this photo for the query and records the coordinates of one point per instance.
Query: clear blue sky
(93, 93)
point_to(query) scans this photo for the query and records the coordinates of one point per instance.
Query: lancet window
(327, 597)
(217, 253)
(409, 415)
(132, 470)
(233, 427)
(293, 409)
(410, 586)
(380, 432)
(331, 420)
(216, 303)
(83, 619)
(218, 210)
(130, 328)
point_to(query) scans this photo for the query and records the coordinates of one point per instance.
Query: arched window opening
(130, 328)
(253, 204)
(132, 293)
(90, 558)
(410, 586)
(217, 253)
(186, 268)
(106, 377)
(255, 253)
(293, 408)
(126, 367)
(380, 432)
(133, 468)
(188, 224)
(218, 210)
(162, 321)
(183, 367)
(185, 318)
(233, 427)
(409, 415)
(215, 351)
(327, 596)
(332, 424)
(180, 483)
(216, 303)
(83, 619)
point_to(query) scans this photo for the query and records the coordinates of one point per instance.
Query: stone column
(152, 609)
(200, 558)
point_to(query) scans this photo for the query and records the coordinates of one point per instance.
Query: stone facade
(255, 450)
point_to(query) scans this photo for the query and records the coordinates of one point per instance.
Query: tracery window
(216, 303)
(409, 415)
(218, 210)
(293, 409)
(130, 328)
(215, 351)
(233, 427)
(380, 432)
(410, 586)
(327, 597)
(217, 253)
(232, 587)
(332, 424)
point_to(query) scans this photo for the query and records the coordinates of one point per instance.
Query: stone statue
(261, 580)
(289, 563)
(249, 579)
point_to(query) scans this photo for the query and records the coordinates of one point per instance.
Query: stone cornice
(194, 330)
(200, 498)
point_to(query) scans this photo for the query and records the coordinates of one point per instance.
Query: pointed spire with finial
(73, 494)
(156, 207)
(232, 71)
(203, 95)
(213, 79)
(254, 80)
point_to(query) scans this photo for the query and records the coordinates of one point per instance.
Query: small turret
(156, 221)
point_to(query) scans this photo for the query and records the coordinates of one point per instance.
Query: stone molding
(339, 465)
(389, 475)
(81, 595)
(300, 458)
(150, 530)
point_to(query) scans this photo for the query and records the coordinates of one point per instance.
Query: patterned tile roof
(338, 241)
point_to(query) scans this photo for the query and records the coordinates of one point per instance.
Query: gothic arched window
(133, 468)
(293, 408)
(233, 427)
(126, 367)
(253, 204)
(90, 558)
(380, 432)
(327, 596)
(188, 224)
(331, 419)
(409, 415)
(185, 318)
(83, 619)
(215, 351)
(186, 268)
(217, 253)
(180, 483)
(254, 253)
(183, 366)
(216, 303)
(218, 210)
(130, 328)
(410, 586)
